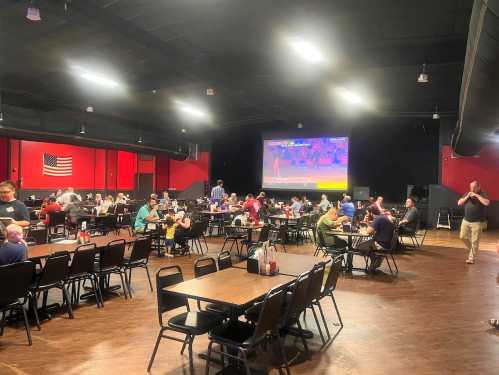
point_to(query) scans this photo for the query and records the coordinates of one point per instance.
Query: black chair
(328, 291)
(153, 230)
(314, 294)
(57, 220)
(36, 236)
(106, 223)
(297, 303)
(327, 250)
(234, 235)
(224, 260)
(282, 235)
(124, 221)
(53, 275)
(387, 254)
(15, 280)
(189, 323)
(81, 270)
(138, 258)
(111, 262)
(196, 235)
(243, 338)
(204, 266)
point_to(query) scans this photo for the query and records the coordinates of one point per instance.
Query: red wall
(126, 170)
(162, 172)
(4, 158)
(458, 172)
(184, 173)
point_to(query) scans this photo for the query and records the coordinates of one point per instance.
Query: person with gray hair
(14, 249)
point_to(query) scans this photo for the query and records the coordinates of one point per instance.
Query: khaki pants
(470, 234)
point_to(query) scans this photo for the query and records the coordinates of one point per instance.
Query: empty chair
(15, 280)
(138, 258)
(82, 269)
(54, 275)
(282, 235)
(234, 235)
(189, 323)
(224, 260)
(238, 339)
(57, 220)
(111, 262)
(314, 294)
(124, 221)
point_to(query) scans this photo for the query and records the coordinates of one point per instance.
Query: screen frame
(271, 137)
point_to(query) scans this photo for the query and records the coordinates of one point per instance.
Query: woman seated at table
(147, 214)
(328, 222)
(120, 198)
(233, 200)
(182, 231)
(105, 206)
(98, 199)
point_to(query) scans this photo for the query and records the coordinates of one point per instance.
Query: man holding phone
(474, 203)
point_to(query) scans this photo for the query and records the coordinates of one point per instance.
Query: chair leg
(68, 302)
(208, 359)
(34, 304)
(124, 283)
(99, 291)
(245, 361)
(303, 340)
(283, 355)
(2, 323)
(148, 277)
(191, 358)
(94, 289)
(323, 319)
(394, 263)
(336, 308)
(128, 281)
(184, 345)
(156, 346)
(318, 325)
(26, 325)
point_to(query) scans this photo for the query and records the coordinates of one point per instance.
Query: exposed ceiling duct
(479, 100)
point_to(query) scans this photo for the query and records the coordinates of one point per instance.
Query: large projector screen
(305, 164)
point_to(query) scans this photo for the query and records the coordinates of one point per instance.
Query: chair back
(224, 260)
(204, 266)
(282, 233)
(237, 222)
(197, 229)
(126, 219)
(83, 259)
(320, 238)
(37, 236)
(141, 249)
(271, 314)
(107, 222)
(334, 273)
(315, 282)
(56, 218)
(395, 240)
(112, 255)
(264, 233)
(119, 208)
(56, 270)
(298, 301)
(165, 277)
(15, 279)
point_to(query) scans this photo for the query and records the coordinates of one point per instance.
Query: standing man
(474, 203)
(217, 192)
(11, 207)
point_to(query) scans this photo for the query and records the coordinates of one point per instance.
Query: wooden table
(234, 287)
(44, 250)
(350, 236)
(292, 264)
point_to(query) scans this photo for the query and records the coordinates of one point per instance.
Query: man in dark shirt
(474, 203)
(11, 207)
(382, 228)
(409, 223)
(12, 253)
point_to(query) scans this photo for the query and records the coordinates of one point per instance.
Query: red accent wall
(4, 158)
(14, 160)
(126, 170)
(458, 172)
(100, 169)
(184, 173)
(162, 172)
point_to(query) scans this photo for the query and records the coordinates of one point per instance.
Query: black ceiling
(182, 47)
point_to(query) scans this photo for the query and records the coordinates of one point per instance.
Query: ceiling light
(140, 140)
(299, 125)
(349, 96)
(423, 76)
(436, 115)
(210, 92)
(183, 131)
(83, 129)
(306, 50)
(1, 116)
(96, 78)
(33, 12)
(191, 110)
(154, 91)
(89, 109)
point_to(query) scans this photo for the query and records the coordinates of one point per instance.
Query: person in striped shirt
(217, 192)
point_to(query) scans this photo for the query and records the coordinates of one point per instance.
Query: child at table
(170, 227)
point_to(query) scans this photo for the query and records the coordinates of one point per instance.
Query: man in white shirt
(68, 197)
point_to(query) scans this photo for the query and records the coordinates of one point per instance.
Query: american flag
(57, 166)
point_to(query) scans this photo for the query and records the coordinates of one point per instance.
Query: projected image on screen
(306, 164)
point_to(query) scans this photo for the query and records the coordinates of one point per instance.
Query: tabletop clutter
(263, 260)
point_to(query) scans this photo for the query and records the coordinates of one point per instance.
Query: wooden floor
(431, 319)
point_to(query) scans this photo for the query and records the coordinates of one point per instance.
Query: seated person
(330, 221)
(252, 206)
(147, 214)
(347, 207)
(106, 206)
(120, 198)
(233, 200)
(165, 201)
(296, 206)
(14, 249)
(183, 231)
(324, 204)
(98, 199)
(51, 206)
(409, 223)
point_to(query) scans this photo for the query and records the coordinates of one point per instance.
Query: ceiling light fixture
(183, 131)
(436, 114)
(299, 125)
(423, 76)
(140, 140)
(349, 96)
(96, 78)
(1, 107)
(33, 12)
(306, 50)
(83, 129)
(210, 92)
(191, 110)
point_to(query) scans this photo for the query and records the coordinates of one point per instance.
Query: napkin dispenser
(252, 265)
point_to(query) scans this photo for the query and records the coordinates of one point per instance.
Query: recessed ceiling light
(96, 78)
(423, 76)
(140, 140)
(299, 125)
(191, 110)
(307, 50)
(436, 114)
(210, 92)
(83, 129)
(183, 130)
(154, 91)
(33, 12)
(89, 109)
(349, 96)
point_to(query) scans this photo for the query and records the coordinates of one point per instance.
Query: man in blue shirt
(218, 192)
(296, 206)
(347, 207)
(147, 214)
